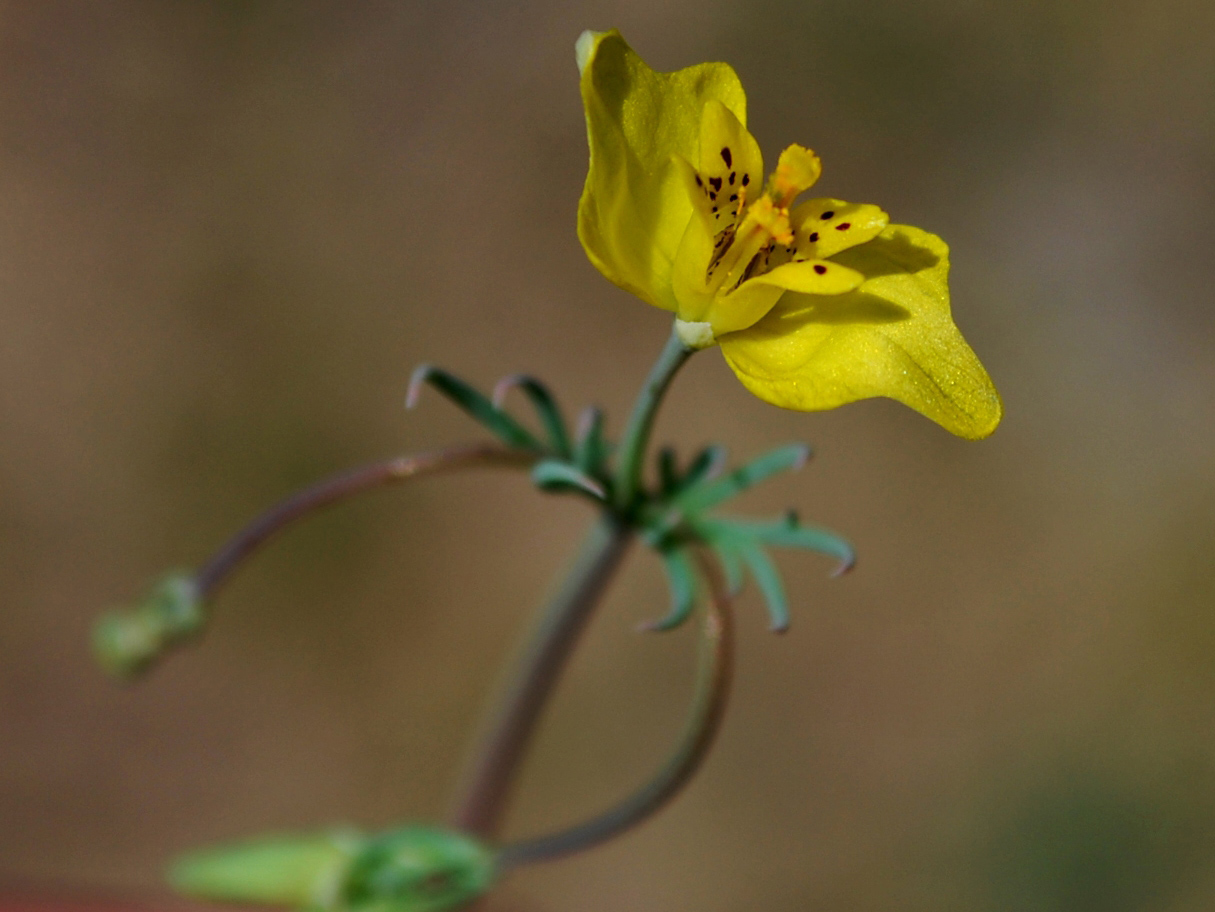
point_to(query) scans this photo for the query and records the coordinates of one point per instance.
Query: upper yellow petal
(634, 206)
(824, 227)
(893, 336)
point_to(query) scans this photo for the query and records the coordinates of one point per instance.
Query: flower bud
(128, 641)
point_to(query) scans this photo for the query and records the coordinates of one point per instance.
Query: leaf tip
(845, 565)
(416, 381)
(503, 387)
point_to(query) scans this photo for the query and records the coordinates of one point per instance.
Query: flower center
(759, 235)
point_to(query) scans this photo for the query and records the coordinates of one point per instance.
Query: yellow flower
(814, 304)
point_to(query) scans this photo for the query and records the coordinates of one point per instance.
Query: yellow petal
(634, 208)
(689, 279)
(893, 336)
(742, 307)
(824, 227)
(731, 165)
(748, 303)
(818, 277)
(694, 186)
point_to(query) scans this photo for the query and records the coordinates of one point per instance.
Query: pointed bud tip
(124, 646)
(584, 48)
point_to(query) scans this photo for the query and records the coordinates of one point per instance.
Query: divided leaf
(546, 407)
(481, 409)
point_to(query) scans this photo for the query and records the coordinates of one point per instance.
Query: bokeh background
(228, 231)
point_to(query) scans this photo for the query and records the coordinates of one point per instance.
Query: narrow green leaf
(551, 474)
(707, 464)
(731, 565)
(589, 447)
(657, 524)
(767, 577)
(681, 576)
(544, 403)
(668, 470)
(788, 532)
(482, 410)
(702, 496)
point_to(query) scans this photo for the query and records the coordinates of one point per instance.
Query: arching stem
(340, 487)
(713, 680)
(488, 782)
(486, 788)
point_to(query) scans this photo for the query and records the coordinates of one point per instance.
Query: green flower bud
(128, 641)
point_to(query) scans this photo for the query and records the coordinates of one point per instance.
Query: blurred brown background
(228, 230)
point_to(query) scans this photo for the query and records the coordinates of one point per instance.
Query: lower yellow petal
(818, 277)
(742, 307)
(893, 336)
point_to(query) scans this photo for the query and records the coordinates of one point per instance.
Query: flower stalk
(343, 486)
(486, 791)
(704, 721)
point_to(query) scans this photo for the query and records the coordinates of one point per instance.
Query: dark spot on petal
(734, 197)
(820, 268)
(714, 208)
(830, 213)
(746, 179)
(726, 157)
(699, 182)
(814, 237)
(732, 175)
(715, 183)
(712, 195)
(843, 226)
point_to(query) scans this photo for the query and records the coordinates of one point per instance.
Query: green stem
(708, 706)
(631, 455)
(484, 796)
(486, 790)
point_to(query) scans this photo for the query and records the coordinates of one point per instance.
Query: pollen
(771, 219)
